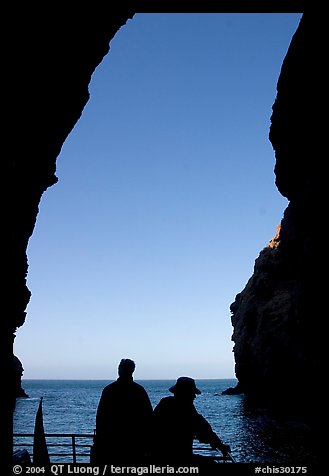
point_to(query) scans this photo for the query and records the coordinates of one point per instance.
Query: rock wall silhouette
(18, 373)
(52, 51)
(276, 317)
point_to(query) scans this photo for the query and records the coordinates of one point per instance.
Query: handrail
(76, 445)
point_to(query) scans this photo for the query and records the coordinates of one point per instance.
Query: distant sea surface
(69, 406)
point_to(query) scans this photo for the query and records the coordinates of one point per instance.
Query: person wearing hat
(176, 423)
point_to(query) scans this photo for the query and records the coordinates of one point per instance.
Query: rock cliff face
(18, 373)
(275, 318)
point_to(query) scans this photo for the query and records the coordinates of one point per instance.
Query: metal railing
(75, 447)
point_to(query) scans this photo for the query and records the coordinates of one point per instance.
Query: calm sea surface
(69, 406)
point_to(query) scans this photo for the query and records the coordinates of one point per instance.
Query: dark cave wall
(52, 53)
(57, 55)
(277, 337)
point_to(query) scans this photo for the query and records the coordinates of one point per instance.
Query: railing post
(73, 449)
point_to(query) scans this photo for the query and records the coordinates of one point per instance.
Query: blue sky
(165, 198)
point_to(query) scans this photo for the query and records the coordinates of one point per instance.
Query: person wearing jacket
(123, 419)
(176, 423)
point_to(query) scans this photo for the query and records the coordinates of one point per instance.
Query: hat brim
(173, 389)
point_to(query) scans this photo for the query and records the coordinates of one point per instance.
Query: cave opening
(165, 197)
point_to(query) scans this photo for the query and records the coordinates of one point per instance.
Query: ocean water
(69, 406)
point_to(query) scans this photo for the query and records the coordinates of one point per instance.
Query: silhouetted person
(123, 419)
(176, 423)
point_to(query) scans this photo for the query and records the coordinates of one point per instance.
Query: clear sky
(166, 196)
